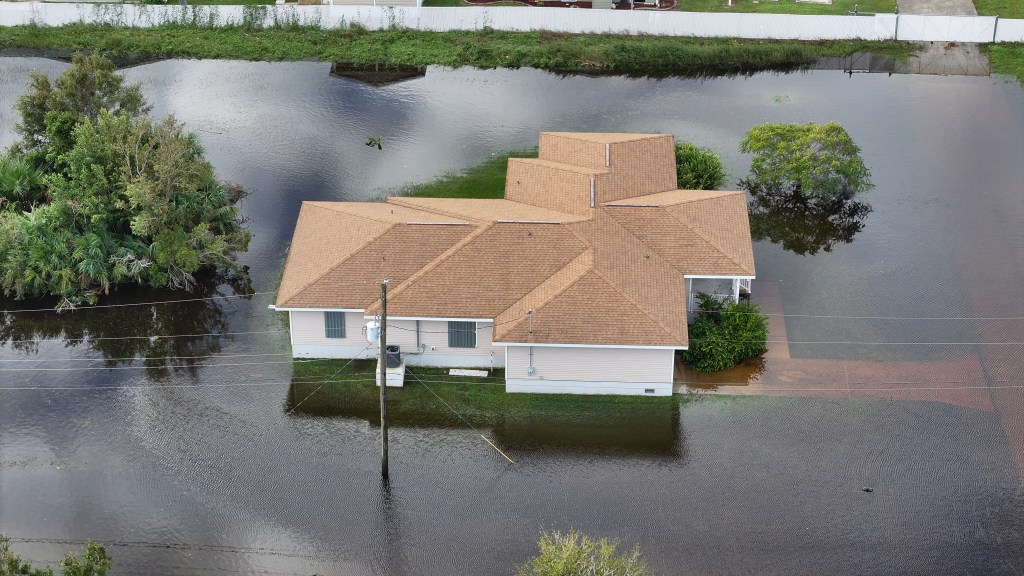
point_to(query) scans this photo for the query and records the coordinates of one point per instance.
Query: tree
(698, 168)
(810, 159)
(96, 194)
(724, 335)
(94, 562)
(573, 553)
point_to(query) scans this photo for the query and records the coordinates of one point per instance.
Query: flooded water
(172, 432)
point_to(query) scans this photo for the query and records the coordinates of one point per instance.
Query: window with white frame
(462, 334)
(334, 324)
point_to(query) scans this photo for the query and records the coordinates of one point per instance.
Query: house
(578, 281)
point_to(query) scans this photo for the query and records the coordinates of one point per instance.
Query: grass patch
(1001, 8)
(626, 55)
(1007, 59)
(485, 180)
(838, 7)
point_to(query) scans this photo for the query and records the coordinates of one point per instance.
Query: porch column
(735, 289)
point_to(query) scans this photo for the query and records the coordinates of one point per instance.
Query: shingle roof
(611, 274)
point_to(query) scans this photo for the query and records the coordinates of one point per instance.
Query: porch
(723, 289)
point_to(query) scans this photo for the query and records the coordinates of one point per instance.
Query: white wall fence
(982, 29)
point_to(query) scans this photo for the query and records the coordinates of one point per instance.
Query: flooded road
(167, 430)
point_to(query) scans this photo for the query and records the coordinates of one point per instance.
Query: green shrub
(725, 334)
(573, 554)
(698, 168)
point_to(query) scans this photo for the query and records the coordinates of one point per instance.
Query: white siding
(308, 341)
(642, 365)
(434, 349)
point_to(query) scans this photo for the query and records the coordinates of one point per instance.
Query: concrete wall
(308, 341)
(572, 370)
(704, 25)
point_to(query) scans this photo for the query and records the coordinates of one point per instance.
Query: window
(334, 324)
(462, 334)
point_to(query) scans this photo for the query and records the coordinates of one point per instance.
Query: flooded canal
(172, 433)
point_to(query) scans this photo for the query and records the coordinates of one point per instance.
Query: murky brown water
(181, 451)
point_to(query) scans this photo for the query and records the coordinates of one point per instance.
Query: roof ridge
(561, 165)
(399, 201)
(714, 245)
(588, 253)
(343, 260)
(434, 264)
(639, 306)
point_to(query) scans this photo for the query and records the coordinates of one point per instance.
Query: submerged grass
(571, 53)
(485, 180)
(340, 388)
(1007, 59)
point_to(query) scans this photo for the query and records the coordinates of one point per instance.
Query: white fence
(704, 25)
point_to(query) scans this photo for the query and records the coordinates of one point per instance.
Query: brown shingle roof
(612, 274)
(486, 274)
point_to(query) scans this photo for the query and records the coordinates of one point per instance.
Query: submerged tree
(573, 553)
(803, 182)
(96, 195)
(809, 159)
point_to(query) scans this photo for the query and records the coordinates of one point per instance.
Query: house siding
(308, 341)
(572, 370)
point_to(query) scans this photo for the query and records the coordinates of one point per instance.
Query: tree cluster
(725, 334)
(94, 562)
(95, 194)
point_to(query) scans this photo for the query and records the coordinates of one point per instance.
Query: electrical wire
(143, 337)
(149, 303)
(253, 443)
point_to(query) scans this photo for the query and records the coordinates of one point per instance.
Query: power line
(159, 367)
(127, 359)
(150, 303)
(253, 443)
(144, 337)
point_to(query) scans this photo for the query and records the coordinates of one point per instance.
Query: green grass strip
(629, 55)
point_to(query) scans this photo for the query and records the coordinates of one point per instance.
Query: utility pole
(384, 379)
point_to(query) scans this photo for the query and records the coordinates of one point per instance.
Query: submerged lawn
(433, 399)
(485, 180)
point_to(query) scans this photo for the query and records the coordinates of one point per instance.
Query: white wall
(695, 24)
(573, 370)
(309, 341)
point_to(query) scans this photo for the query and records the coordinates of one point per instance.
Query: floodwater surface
(176, 434)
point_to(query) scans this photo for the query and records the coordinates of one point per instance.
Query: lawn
(1001, 8)
(655, 56)
(789, 6)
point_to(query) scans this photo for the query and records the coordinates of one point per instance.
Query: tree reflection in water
(125, 334)
(803, 224)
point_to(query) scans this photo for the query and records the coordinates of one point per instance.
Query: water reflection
(588, 425)
(377, 74)
(125, 334)
(804, 224)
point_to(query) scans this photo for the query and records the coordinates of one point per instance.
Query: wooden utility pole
(384, 379)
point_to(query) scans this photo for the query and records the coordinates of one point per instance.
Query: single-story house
(578, 281)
